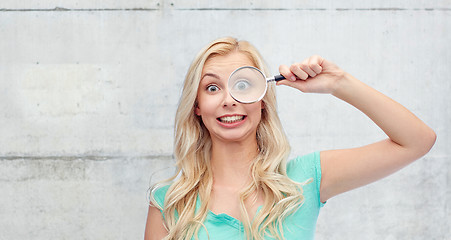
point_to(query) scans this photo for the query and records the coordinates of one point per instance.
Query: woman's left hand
(313, 75)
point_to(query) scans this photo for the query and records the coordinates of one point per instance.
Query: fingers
(315, 64)
(310, 67)
(286, 72)
(301, 70)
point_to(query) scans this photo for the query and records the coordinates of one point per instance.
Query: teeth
(231, 119)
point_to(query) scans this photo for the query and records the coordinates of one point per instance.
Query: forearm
(401, 126)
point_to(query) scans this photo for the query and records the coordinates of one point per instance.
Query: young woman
(233, 180)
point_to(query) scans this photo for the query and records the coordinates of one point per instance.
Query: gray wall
(89, 90)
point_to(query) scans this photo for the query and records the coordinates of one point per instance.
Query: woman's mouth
(231, 119)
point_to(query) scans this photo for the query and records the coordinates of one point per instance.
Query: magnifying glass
(248, 84)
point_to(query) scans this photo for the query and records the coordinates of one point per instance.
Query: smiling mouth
(231, 119)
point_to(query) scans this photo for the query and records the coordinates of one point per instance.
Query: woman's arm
(342, 170)
(155, 229)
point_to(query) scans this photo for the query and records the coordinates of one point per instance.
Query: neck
(231, 162)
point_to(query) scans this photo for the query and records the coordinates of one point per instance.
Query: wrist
(343, 86)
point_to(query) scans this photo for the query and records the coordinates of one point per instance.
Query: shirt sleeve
(307, 168)
(159, 195)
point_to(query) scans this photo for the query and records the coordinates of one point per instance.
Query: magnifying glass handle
(275, 78)
(278, 77)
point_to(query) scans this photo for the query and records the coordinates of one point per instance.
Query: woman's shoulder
(304, 167)
(159, 192)
(307, 169)
(311, 159)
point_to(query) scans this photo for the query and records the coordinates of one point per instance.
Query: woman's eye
(212, 88)
(242, 85)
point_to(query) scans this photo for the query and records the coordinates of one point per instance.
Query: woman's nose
(228, 100)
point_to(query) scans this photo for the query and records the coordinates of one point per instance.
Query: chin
(237, 136)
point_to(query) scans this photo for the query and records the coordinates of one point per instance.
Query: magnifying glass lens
(247, 84)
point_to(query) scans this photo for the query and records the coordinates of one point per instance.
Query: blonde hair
(193, 175)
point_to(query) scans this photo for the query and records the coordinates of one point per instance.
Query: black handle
(278, 77)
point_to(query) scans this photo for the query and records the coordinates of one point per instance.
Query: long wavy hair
(192, 148)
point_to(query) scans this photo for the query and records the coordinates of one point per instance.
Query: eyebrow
(210, 75)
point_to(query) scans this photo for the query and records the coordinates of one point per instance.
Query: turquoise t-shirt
(299, 225)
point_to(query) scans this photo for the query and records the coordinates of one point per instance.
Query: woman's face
(225, 118)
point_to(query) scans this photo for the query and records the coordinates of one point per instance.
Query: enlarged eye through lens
(242, 85)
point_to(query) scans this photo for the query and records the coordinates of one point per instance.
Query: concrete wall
(89, 90)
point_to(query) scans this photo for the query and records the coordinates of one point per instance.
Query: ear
(197, 110)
